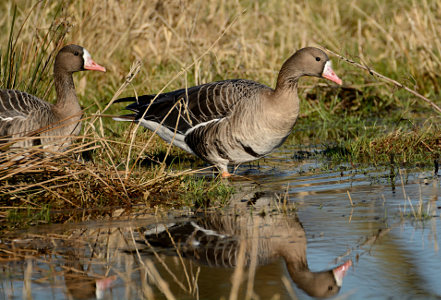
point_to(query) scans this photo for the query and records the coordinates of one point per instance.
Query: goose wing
(186, 108)
(17, 110)
(204, 245)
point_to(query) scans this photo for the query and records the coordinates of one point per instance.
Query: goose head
(307, 61)
(74, 58)
(322, 284)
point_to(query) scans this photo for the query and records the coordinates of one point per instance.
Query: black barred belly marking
(212, 142)
(249, 150)
(220, 149)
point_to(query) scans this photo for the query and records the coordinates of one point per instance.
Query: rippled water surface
(287, 215)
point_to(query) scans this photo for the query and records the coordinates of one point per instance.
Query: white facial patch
(338, 280)
(86, 56)
(328, 67)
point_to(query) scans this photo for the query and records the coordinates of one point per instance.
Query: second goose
(23, 115)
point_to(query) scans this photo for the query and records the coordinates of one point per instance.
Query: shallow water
(390, 233)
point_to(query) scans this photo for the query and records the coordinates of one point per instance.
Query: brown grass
(150, 46)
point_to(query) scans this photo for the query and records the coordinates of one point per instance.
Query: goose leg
(223, 170)
(225, 174)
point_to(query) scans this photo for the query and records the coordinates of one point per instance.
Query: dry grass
(175, 44)
(400, 38)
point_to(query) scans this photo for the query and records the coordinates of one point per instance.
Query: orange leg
(225, 174)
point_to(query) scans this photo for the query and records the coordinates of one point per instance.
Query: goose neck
(65, 89)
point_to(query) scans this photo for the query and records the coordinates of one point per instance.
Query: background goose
(22, 114)
(215, 239)
(231, 121)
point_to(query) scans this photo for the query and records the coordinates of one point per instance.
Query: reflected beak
(340, 271)
(89, 64)
(103, 284)
(328, 73)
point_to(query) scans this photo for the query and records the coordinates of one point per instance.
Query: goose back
(186, 108)
(21, 115)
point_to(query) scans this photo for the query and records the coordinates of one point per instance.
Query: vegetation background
(184, 43)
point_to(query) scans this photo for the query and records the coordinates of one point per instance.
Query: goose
(22, 114)
(231, 121)
(214, 239)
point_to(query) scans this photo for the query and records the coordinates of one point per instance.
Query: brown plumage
(23, 115)
(215, 239)
(231, 121)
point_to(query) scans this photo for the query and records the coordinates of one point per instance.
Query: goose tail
(126, 99)
(139, 99)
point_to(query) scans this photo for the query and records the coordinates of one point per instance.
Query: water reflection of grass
(420, 212)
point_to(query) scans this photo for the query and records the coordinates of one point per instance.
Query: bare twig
(387, 79)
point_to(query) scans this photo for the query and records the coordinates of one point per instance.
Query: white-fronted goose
(22, 114)
(215, 239)
(231, 121)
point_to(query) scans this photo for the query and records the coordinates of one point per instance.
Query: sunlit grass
(148, 47)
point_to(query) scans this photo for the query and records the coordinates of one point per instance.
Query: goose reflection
(214, 239)
(79, 284)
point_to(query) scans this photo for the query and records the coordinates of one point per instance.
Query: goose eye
(76, 53)
(317, 58)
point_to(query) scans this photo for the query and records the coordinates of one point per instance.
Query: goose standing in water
(23, 115)
(231, 121)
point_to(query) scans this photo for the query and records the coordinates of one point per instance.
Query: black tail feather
(141, 99)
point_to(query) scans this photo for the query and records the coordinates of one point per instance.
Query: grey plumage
(230, 121)
(23, 115)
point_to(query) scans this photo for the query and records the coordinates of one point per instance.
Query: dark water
(291, 215)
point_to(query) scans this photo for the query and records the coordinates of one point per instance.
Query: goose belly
(220, 141)
(254, 147)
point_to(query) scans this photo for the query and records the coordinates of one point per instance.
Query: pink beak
(340, 272)
(89, 64)
(328, 73)
(103, 284)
